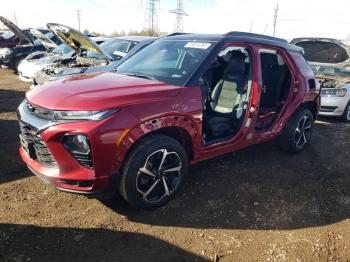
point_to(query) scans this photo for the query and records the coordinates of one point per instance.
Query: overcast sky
(296, 17)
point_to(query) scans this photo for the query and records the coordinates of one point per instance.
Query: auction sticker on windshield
(199, 45)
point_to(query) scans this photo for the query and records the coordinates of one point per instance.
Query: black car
(28, 43)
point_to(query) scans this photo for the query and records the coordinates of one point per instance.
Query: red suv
(183, 99)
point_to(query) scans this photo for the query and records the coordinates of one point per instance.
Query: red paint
(147, 106)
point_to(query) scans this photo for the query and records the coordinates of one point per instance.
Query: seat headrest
(236, 64)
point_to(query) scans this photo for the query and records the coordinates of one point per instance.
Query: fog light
(79, 146)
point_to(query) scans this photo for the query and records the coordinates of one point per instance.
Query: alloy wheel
(159, 176)
(303, 131)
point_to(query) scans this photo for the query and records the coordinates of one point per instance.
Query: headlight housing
(83, 115)
(58, 115)
(336, 92)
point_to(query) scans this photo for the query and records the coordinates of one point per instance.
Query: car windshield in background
(7, 35)
(167, 61)
(118, 48)
(328, 70)
(38, 41)
(62, 49)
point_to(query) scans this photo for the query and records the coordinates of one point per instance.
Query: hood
(47, 42)
(77, 40)
(99, 92)
(23, 38)
(323, 50)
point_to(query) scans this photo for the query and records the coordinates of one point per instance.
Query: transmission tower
(180, 13)
(151, 22)
(275, 16)
(15, 18)
(78, 17)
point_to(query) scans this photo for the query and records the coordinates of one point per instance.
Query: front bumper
(333, 106)
(66, 173)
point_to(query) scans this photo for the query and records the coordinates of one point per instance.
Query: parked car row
(43, 54)
(131, 115)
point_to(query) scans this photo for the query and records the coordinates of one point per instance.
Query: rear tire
(297, 133)
(153, 172)
(346, 114)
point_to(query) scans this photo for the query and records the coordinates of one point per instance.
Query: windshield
(118, 48)
(62, 49)
(7, 35)
(38, 41)
(167, 61)
(328, 70)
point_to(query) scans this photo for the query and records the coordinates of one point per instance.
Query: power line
(275, 16)
(151, 22)
(180, 13)
(78, 17)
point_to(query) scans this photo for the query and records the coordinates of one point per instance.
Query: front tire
(346, 114)
(297, 133)
(153, 172)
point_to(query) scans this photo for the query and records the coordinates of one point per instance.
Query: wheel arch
(180, 128)
(312, 106)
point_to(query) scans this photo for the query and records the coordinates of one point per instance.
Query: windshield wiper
(141, 76)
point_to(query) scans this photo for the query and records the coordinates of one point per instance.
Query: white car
(330, 60)
(37, 61)
(335, 94)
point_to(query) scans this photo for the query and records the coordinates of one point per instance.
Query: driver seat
(226, 97)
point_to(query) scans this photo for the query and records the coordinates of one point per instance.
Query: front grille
(35, 146)
(40, 111)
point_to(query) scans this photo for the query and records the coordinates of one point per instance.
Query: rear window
(301, 63)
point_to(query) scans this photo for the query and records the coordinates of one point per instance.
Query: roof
(242, 37)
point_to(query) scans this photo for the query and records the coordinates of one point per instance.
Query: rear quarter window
(303, 66)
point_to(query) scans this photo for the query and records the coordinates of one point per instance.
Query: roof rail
(266, 37)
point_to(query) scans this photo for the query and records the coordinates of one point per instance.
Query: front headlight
(5, 51)
(341, 92)
(83, 115)
(336, 92)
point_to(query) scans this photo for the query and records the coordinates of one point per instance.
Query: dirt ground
(258, 204)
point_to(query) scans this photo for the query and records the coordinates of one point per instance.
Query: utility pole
(275, 20)
(15, 18)
(78, 17)
(251, 26)
(265, 28)
(180, 13)
(151, 22)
